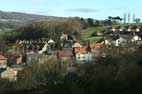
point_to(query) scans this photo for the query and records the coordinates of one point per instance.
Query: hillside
(21, 16)
(86, 33)
(12, 19)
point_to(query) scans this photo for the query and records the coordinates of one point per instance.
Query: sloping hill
(21, 16)
(12, 19)
(86, 33)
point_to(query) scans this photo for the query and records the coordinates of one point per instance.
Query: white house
(10, 74)
(137, 29)
(113, 29)
(129, 29)
(51, 41)
(64, 37)
(3, 62)
(120, 41)
(83, 55)
(106, 42)
(44, 48)
(136, 38)
(77, 45)
(121, 29)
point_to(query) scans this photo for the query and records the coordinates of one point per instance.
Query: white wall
(84, 57)
(3, 63)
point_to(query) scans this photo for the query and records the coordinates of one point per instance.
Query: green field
(86, 34)
(4, 31)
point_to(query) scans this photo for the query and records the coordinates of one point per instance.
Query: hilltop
(12, 19)
(21, 16)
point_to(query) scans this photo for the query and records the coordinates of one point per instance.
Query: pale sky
(97, 9)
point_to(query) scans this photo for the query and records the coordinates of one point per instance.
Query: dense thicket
(51, 28)
(119, 74)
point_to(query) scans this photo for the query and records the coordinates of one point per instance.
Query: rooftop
(2, 57)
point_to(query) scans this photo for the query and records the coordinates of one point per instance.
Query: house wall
(3, 63)
(9, 74)
(84, 57)
(19, 60)
(120, 41)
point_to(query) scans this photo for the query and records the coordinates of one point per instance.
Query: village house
(120, 30)
(95, 49)
(66, 41)
(65, 55)
(83, 55)
(113, 29)
(45, 47)
(13, 59)
(9, 74)
(136, 38)
(3, 62)
(77, 45)
(128, 28)
(120, 41)
(99, 46)
(104, 42)
(51, 43)
(136, 28)
(33, 46)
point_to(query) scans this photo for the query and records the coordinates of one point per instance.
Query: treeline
(53, 27)
(115, 74)
(10, 24)
(21, 16)
(50, 28)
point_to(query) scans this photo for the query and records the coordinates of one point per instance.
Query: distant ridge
(21, 16)
(13, 19)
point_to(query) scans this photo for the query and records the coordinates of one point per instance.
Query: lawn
(86, 34)
(4, 31)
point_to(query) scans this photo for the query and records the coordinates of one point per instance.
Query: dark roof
(100, 40)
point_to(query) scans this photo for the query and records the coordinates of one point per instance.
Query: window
(79, 57)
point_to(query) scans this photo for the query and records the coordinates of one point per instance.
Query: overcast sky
(98, 9)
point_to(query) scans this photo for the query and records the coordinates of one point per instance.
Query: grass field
(4, 31)
(86, 34)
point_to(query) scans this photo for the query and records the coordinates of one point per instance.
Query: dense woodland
(114, 74)
(49, 28)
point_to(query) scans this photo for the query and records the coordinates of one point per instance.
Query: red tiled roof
(13, 56)
(65, 53)
(99, 45)
(82, 51)
(3, 57)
